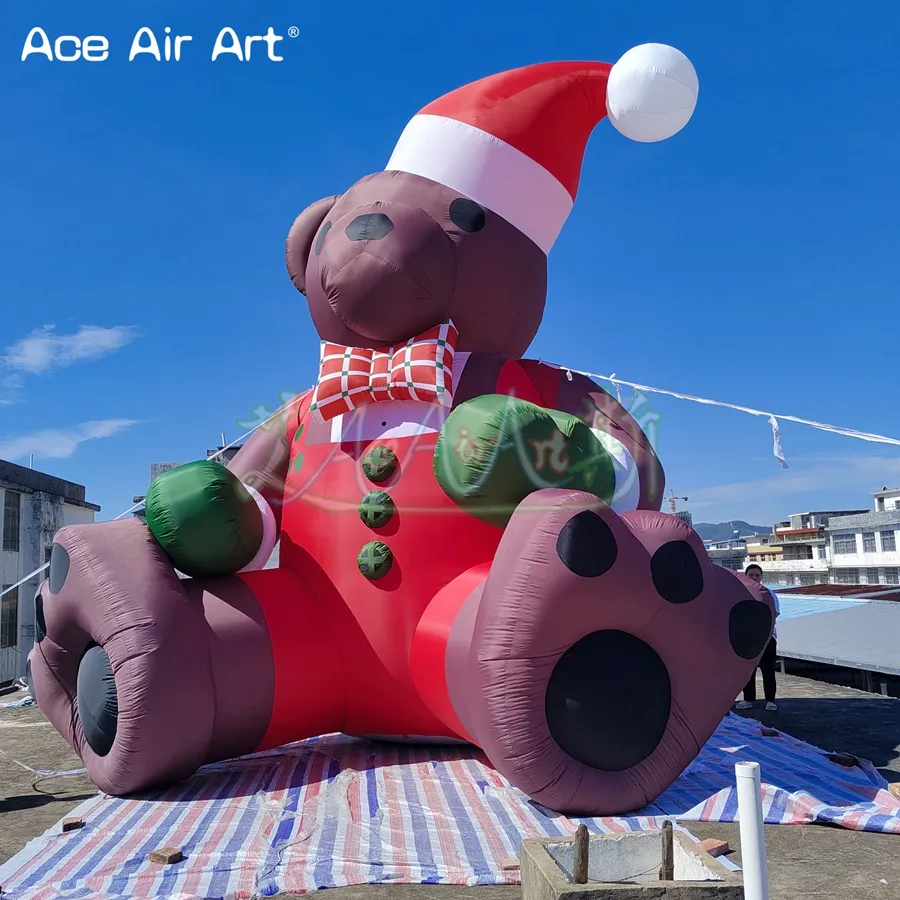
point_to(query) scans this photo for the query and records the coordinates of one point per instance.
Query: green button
(375, 560)
(376, 509)
(379, 464)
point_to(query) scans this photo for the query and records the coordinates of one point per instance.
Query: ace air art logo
(161, 45)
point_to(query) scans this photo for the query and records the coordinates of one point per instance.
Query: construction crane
(672, 499)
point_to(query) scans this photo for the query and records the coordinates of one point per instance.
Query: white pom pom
(651, 93)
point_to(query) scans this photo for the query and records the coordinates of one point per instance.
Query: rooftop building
(798, 551)
(35, 506)
(864, 545)
(887, 498)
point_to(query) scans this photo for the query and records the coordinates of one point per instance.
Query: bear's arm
(262, 463)
(598, 409)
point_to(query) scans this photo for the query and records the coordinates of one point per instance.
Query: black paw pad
(749, 628)
(40, 625)
(601, 718)
(98, 700)
(677, 574)
(59, 568)
(587, 546)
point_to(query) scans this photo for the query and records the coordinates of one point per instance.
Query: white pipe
(753, 836)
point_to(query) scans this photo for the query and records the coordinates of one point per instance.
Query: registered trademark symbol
(293, 31)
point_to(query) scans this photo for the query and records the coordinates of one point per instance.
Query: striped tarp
(337, 811)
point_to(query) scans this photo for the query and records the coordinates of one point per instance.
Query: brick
(714, 847)
(72, 824)
(510, 865)
(166, 856)
(848, 760)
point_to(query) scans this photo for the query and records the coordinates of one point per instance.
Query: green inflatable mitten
(204, 518)
(494, 450)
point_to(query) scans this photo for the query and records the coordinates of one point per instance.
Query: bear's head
(399, 253)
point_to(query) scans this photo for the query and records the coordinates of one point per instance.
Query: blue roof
(793, 606)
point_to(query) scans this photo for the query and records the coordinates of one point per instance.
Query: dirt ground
(804, 862)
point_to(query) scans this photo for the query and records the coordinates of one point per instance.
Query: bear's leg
(598, 655)
(149, 676)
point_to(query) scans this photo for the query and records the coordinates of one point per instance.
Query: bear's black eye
(467, 215)
(321, 238)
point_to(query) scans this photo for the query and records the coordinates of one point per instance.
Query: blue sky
(752, 258)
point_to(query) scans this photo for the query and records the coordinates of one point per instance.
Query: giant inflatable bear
(471, 547)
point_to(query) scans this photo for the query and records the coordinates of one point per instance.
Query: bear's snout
(387, 271)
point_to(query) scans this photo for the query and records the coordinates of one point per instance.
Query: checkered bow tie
(352, 377)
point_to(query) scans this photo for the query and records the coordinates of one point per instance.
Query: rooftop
(726, 553)
(866, 520)
(814, 530)
(19, 478)
(831, 512)
(803, 861)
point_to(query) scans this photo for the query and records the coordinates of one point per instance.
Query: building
(805, 549)
(887, 499)
(762, 552)
(35, 506)
(798, 550)
(728, 554)
(863, 546)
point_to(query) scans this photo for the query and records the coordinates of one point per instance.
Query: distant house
(805, 551)
(848, 546)
(35, 506)
(864, 545)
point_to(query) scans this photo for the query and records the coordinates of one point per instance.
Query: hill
(724, 531)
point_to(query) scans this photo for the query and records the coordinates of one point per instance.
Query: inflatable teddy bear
(470, 543)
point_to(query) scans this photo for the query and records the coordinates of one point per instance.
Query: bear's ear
(300, 238)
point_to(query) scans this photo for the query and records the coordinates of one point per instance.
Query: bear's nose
(369, 227)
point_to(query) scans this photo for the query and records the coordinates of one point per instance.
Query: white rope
(43, 773)
(617, 383)
(822, 426)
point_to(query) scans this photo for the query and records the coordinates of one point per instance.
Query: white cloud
(821, 482)
(44, 350)
(59, 443)
(10, 385)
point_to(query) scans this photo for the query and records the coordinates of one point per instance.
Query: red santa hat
(514, 142)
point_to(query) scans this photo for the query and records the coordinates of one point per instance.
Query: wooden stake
(580, 864)
(667, 869)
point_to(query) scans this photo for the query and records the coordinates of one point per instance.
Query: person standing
(767, 662)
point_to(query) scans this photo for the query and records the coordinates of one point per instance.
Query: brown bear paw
(607, 649)
(120, 665)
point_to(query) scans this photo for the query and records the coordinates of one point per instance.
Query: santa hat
(514, 142)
